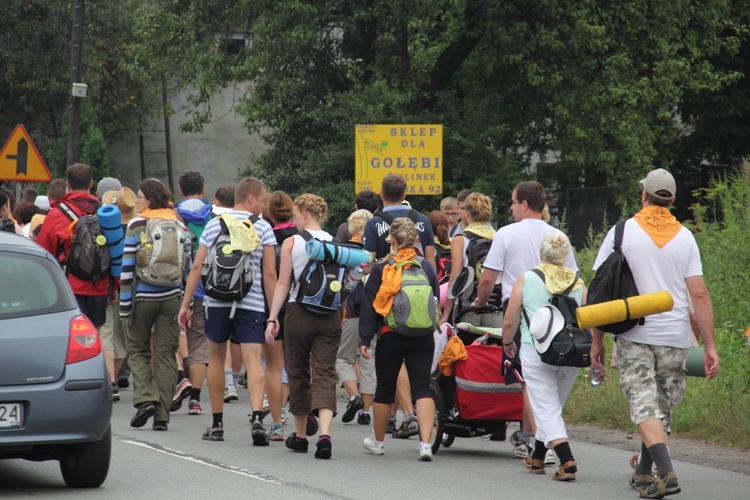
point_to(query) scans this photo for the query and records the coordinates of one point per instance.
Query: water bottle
(596, 375)
(355, 275)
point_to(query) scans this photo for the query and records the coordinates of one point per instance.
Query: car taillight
(84, 342)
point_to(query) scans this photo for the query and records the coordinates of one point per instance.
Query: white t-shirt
(517, 248)
(299, 257)
(656, 269)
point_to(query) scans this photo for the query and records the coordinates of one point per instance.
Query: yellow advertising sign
(412, 151)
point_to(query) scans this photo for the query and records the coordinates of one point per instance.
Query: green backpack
(415, 310)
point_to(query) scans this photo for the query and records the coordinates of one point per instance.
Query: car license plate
(11, 415)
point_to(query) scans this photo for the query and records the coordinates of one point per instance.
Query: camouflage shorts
(652, 377)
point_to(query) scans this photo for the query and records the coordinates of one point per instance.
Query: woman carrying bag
(548, 385)
(394, 348)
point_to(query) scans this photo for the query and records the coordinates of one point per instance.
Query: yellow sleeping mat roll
(620, 310)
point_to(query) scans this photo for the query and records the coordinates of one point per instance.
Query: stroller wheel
(436, 436)
(448, 440)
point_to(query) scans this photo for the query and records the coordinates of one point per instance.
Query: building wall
(220, 152)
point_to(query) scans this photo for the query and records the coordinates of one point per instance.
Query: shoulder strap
(413, 214)
(385, 216)
(619, 231)
(69, 212)
(305, 235)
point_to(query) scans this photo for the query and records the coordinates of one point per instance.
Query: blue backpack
(321, 285)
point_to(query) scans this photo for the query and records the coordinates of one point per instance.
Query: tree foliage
(35, 68)
(597, 85)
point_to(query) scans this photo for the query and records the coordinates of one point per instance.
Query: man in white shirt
(663, 255)
(516, 249)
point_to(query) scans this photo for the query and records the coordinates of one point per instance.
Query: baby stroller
(474, 401)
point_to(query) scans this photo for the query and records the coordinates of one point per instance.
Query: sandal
(640, 482)
(662, 487)
(534, 466)
(634, 465)
(566, 471)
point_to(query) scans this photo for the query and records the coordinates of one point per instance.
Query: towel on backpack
(391, 282)
(242, 234)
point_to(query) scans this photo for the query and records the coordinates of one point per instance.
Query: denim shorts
(246, 327)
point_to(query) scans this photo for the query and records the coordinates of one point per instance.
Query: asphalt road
(178, 464)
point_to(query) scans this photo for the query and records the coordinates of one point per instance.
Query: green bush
(713, 410)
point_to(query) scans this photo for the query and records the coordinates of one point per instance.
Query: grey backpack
(161, 259)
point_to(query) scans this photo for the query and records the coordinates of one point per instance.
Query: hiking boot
(182, 391)
(215, 433)
(375, 449)
(352, 408)
(115, 392)
(142, 414)
(534, 466)
(409, 427)
(566, 471)
(230, 394)
(640, 482)
(123, 382)
(160, 425)
(424, 451)
(258, 433)
(277, 432)
(194, 408)
(364, 419)
(324, 448)
(662, 487)
(391, 425)
(296, 444)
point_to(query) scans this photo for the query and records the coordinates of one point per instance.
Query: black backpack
(477, 249)
(571, 346)
(88, 258)
(227, 272)
(321, 286)
(614, 281)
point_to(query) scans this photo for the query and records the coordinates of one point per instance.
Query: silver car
(55, 395)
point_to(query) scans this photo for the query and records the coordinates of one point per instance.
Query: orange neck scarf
(159, 213)
(658, 223)
(391, 281)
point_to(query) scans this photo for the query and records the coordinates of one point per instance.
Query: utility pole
(76, 75)
(167, 133)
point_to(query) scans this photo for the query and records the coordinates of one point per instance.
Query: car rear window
(31, 286)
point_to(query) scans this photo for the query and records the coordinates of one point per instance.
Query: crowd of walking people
(209, 287)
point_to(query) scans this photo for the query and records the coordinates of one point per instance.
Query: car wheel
(437, 427)
(87, 465)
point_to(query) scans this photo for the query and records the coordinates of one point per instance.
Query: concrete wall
(220, 152)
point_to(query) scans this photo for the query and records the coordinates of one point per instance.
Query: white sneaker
(549, 458)
(425, 452)
(375, 449)
(230, 393)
